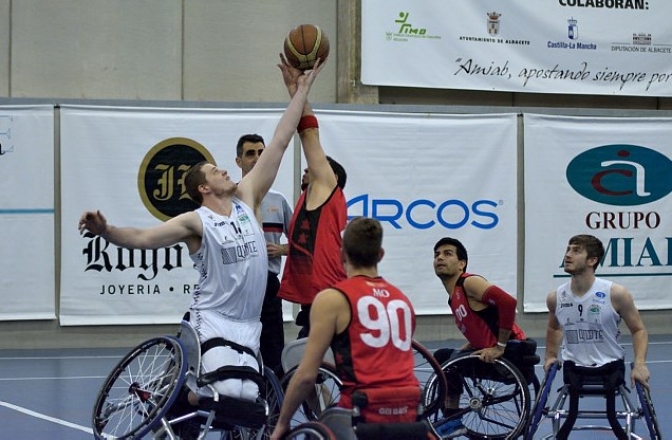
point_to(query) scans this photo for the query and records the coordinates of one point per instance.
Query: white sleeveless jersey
(232, 263)
(589, 324)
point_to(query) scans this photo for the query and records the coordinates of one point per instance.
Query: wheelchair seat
(523, 355)
(380, 413)
(220, 411)
(292, 353)
(606, 383)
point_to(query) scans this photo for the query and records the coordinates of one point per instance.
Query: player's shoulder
(619, 291)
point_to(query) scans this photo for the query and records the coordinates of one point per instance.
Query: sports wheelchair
(146, 395)
(494, 398)
(606, 383)
(310, 421)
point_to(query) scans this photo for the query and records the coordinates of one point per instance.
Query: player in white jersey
(227, 245)
(584, 314)
(276, 214)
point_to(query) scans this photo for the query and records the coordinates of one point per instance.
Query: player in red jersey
(369, 324)
(320, 215)
(483, 312)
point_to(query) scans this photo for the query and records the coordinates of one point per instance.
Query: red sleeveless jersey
(481, 328)
(314, 260)
(375, 349)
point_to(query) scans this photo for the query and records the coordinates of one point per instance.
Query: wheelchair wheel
(540, 401)
(327, 392)
(431, 378)
(140, 390)
(494, 398)
(648, 411)
(311, 431)
(272, 395)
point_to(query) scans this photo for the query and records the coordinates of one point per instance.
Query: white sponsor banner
(27, 267)
(128, 163)
(608, 177)
(426, 176)
(601, 47)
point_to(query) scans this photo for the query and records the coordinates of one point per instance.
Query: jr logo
(622, 175)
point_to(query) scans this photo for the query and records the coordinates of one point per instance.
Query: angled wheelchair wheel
(140, 389)
(272, 394)
(311, 431)
(431, 378)
(494, 397)
(540, 402)
(648, 411)
(326, 394)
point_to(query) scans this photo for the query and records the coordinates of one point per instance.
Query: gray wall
(222, 53)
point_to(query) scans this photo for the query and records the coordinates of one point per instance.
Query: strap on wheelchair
(610, 376)
(221, 342)
(232, 372)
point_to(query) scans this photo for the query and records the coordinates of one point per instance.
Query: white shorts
(210, 324)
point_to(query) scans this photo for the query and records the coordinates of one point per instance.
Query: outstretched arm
(186, 228)
(254, 186)
(322, 177)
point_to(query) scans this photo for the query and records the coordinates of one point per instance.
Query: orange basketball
(304, 45)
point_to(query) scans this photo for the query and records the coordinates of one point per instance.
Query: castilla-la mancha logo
(621, 174)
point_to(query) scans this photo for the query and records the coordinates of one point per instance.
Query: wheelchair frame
(629, 412)
(328, 384)
(494, 399)
(305, 422)
(138, 396)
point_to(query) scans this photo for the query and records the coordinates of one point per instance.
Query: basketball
(304, 45)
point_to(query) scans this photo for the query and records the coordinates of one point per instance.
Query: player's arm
(322, 177)
(185, 227)
(323, 180)
(254, 186)
(324, 317)
(624, 305)
(553, 332)
(478, 288)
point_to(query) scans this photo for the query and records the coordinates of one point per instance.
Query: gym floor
(49, 394)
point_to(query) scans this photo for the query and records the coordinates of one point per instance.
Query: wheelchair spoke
(326, 393)
(140, 389)
(495, 397)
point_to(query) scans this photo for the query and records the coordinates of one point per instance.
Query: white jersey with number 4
(232, 263)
